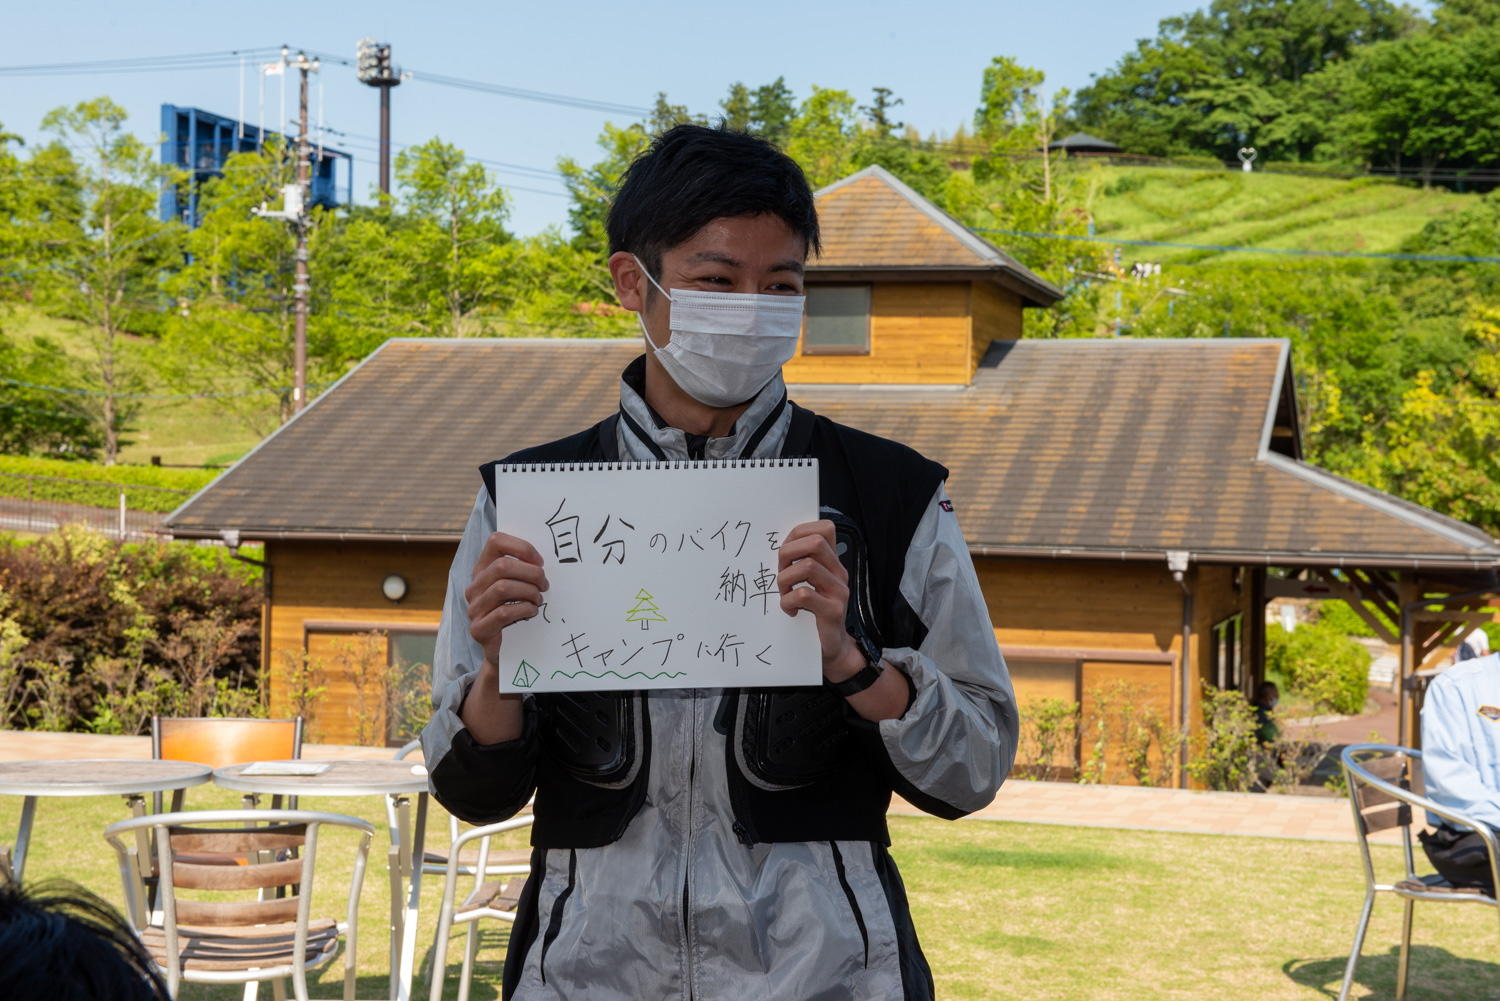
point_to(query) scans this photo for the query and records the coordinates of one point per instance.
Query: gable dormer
(903, 293)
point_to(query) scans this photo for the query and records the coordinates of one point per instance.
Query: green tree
(878, 111)
(738, 108)
(1441, 446)
(36, 421)
(230, 335)
(1231, 73)
(823, 136)
(592, 188)
(459, 214)
(115, 255)
(772, 108)
(1424, 99)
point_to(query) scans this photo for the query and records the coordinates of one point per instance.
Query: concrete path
(1314, 818)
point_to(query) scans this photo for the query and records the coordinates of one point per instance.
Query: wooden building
(1125, 501)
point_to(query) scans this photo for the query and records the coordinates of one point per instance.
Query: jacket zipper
(687, 848)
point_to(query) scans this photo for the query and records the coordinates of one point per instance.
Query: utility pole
(373, 68)
(302, 286)
(296, 199)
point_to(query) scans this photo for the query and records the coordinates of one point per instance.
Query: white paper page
(661, 575)
(283, 768)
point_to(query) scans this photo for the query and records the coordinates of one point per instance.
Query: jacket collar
(644, 435)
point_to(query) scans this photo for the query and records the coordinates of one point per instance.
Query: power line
(501, 90)
(154, 396)
(1219, 248)
(140, 64)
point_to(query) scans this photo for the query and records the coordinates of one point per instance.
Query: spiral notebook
(662, 574)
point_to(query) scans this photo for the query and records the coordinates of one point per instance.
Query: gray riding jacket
(679, 907)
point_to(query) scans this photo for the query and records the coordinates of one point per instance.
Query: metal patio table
(132, 778)
(395, 780)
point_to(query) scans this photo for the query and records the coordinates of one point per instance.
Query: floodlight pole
(373, 67)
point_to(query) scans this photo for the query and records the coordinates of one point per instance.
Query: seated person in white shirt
(1461, 762)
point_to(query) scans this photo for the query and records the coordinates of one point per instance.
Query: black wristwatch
(865, 676)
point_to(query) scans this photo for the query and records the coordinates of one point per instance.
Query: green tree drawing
(645, 611)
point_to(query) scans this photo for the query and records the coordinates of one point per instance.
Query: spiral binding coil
(591, 467)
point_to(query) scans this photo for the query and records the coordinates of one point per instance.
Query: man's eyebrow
(790, 264)
(716, 257)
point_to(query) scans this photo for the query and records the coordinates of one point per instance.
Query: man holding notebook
(729, 843)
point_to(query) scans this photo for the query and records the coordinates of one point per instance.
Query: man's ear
(630, 280)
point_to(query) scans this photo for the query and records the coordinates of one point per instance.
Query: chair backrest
(217, 742)
(276, 848)
(1377, 808)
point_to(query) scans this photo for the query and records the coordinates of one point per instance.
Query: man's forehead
(730, 260)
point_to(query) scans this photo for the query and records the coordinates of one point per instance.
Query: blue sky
(931, 56)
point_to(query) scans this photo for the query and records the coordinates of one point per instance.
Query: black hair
(60, 942)
(692, 175)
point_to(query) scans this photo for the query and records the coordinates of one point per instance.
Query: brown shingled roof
(871, 221)
(1119, 448)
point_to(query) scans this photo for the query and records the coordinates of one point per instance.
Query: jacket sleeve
(956, 742)
(1450, 752)
(476, 782)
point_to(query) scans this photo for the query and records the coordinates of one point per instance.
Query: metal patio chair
(221, 941)
(498, 878)
(1385, 788)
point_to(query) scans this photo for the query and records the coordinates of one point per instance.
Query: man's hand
(808, 558)
(506, 587)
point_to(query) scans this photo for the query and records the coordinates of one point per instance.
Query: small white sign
(662, 575)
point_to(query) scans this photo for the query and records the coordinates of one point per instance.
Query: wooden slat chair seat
(238, 949)
(501, 897)
(204, 932)
(1386, 792)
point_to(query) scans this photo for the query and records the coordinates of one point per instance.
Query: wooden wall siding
(919, 334)
(997, 316)
(340, 582)
(1073, 604)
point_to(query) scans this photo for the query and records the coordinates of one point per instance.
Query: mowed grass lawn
(1004, 910)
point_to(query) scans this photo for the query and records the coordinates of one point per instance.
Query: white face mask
(725, 346)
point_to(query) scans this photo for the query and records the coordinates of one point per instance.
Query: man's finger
(501, 592)
(811, 547)
(504, 568)
(500, 544)
(487, 629)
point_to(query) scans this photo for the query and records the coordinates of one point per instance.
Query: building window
(838, 320)
(1224, 653)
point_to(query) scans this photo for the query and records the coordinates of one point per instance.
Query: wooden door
(349, 674)
(1129, 722)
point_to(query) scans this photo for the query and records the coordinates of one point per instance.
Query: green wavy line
(622, 677)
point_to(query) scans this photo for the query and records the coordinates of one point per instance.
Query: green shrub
(1049, 738)
(1224, 753)
(98, 635)
(147, 488)
(1339, 616)
(1320, 664)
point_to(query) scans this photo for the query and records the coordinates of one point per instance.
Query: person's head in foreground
(703, 213)
(1267, 695)
(59, 942)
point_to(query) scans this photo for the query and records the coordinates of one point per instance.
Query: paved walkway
(1315, 818)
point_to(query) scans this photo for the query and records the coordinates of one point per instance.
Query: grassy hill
(1232, 208)
(188, 432)
(1222, 207)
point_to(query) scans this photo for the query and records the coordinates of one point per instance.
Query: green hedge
(1321, 664)
(147, 488)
